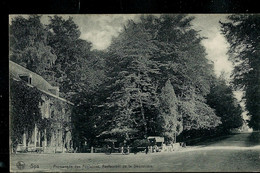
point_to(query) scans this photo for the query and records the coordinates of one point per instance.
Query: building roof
(37, 81)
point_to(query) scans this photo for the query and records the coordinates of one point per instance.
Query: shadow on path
(211, 140)
(253, 139)
(236, 140)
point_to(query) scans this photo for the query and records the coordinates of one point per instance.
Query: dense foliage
(221, 98)
(24, 109)
(28, 46)
(243, 34)
(169, 118)
(73, 65)
(154, 78)
(141, 60)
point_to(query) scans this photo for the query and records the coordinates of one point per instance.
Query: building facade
(55, 135)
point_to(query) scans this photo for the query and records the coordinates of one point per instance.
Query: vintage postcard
(134, 93)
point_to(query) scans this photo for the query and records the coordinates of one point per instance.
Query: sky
(215, 44)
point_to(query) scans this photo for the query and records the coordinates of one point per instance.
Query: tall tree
(144, 56)
(133, 91)
(243, 34)
(28, 45)
(79, 73)
(72, 67)
(183, 60)
(171, 119)
(226, 106)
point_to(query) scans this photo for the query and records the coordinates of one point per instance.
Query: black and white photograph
(134, 92)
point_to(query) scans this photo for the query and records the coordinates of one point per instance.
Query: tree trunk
(142, 109)
(143, 117)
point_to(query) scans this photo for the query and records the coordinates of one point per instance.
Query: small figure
(156, 148)
(146, 149)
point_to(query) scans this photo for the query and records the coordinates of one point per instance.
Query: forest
(153, 80)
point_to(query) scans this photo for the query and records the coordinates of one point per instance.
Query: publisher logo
(20, 165)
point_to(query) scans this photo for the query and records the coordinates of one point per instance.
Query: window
(26, 78)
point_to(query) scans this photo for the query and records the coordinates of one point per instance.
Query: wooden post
(35, 135)
(45, 138)
(24, 138)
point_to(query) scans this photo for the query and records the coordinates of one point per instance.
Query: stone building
(56, 111)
